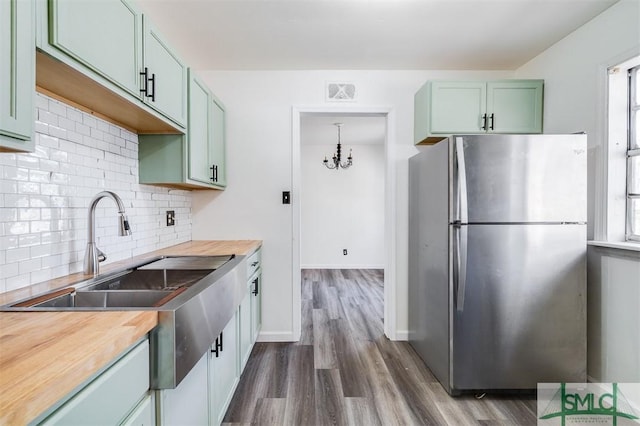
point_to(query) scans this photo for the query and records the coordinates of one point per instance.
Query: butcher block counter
(46, 355)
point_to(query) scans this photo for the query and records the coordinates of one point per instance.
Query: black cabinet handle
(145, 83)
(152, 79)
(491, 125)
(215, 349)
(484, 122)
(214, 173)
(255, 286)
(254, 263)
(217, 346)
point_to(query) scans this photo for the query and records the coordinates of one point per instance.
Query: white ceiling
(357, 129)
(366, 34)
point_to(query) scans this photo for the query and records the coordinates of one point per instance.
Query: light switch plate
(286, 197)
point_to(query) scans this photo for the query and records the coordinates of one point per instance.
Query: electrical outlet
(344, 252)
(171, 217)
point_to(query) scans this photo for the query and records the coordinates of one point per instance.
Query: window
(633, 157)
(618, 210)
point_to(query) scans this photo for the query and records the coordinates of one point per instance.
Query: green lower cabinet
(112, 396)
(17, 75)
(246, 335)
(224, 371)
(256, 305)
(188, 403)
(144, 414)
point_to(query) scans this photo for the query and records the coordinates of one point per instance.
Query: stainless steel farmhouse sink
(195, 297)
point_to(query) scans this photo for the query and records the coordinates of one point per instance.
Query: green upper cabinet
(192, 161)
(114, 46)
(443, 108)
(206, 137)
(217, 144)
(17, 75)
(457, 106)
(199, 135)
(103, 35)
(164, 78)
(514, 106)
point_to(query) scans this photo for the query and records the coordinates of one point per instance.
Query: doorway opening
(343, 211)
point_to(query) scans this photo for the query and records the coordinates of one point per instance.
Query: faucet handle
(101, 256)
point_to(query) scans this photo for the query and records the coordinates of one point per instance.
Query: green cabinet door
(104, 35)
(144, 414)
(218, 143)
(188, 403)
(166, 77)
(514, 106)
(111, 396)
(256, 305)
(223, 372)
(246, 335)
(199, 132)
(192, 161)
(457, 107)
(17, 75)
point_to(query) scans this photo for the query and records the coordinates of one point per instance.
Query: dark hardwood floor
(344, 371)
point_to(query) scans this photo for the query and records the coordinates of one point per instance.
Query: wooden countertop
(46, 355)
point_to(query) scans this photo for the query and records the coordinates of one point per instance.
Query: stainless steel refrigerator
(497, 260)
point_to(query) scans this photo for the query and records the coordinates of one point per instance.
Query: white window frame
(632, 151)
(611, 193)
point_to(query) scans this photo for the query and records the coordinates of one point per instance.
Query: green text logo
(587, 403)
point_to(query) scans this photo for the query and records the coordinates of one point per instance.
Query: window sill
(621, 245)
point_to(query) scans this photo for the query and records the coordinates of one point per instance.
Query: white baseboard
(275, 336)
(341, 266)
(402, 335)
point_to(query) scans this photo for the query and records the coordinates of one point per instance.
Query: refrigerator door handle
(461, 182)
(461, 266)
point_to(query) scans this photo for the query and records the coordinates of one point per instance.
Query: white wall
(342, 208)
(613, 315)
(44, 198)
(575, 73)
(259, 156)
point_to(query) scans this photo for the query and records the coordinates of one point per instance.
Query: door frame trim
(390, 305)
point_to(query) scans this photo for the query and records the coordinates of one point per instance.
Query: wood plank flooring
(344, 371)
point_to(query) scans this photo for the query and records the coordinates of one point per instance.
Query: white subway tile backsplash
(45, 197)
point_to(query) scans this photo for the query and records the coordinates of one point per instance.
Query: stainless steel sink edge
(189, 324)
(83, 284)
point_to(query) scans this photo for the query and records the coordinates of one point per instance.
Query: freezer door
(520, 317)
(518, 178)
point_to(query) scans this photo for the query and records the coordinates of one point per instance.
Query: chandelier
(336, 162)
